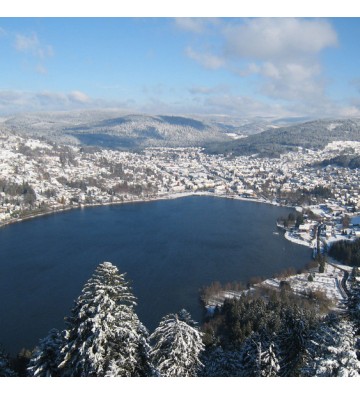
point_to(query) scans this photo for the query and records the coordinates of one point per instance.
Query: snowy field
(328, 282)
(305, 240)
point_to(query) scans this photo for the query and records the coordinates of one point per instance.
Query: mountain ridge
(217, 134)
(314, 134)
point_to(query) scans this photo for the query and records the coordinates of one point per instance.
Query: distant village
(38, 177)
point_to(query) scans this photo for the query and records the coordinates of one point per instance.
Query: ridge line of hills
(263, 137)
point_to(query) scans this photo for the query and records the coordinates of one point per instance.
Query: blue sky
(234, 66)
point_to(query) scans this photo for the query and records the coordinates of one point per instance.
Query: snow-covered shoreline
(169, 196)
(295, 240)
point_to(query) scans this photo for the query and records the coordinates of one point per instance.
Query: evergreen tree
(46, 357)
(353, 302)
(332, 350)
(258, 357)
(249, 356)
(21, 362)
(293, 336)
(221, 363)
(104, 335)
(269, 362)
(176, 348)
(5, 368)
(185, 316)
(131, 352)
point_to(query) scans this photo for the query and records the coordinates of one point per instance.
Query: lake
(168, 248)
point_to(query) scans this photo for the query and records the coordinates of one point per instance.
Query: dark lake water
(169, 250)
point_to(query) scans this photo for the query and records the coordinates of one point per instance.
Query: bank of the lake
(168, 248)
(62, 208)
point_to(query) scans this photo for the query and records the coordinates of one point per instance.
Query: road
(342, 285)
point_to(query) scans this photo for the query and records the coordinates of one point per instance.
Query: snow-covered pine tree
(249, 356)
(176, 348)
(185, 316)
(131, 351)
(353, 305)
(5, 368)
(46, 357)
(332, 350)
(221, 363)
(269, 362)
(104, 335)
(258, 356)
(292, 341)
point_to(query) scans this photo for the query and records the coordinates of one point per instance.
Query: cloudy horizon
(243, 67)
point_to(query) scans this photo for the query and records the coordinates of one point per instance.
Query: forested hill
(267, 137)
(116, 130)
(273, 142)
(350, 161)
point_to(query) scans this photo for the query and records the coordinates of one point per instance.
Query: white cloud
(35, 51)
(11, 99)
(351, 111)
(196, 25)
(269, 70)
(79, 97)
(208, 60)
(12, 102)
(278, 38)
(292, 81)
(243, 106)
(31, 44)
(62, 99)
(46, 100)
(248, 106)
(283, 53)
(206, 90)
(22, 101)
(264, 39)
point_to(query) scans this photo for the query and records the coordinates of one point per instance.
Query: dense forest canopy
(350, 161)
(346, 251)
(274, 142)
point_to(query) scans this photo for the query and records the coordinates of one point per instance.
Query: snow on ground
(37, 144)
(332, 126)
(218, 299)
(305, 240)
(338, 237)
(336, 263)
(318, 211)
(336, 145)
(236, 136)
(327, 282)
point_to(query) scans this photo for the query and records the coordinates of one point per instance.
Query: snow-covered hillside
(115, 129)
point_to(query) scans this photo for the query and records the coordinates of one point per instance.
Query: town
(39, 177)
